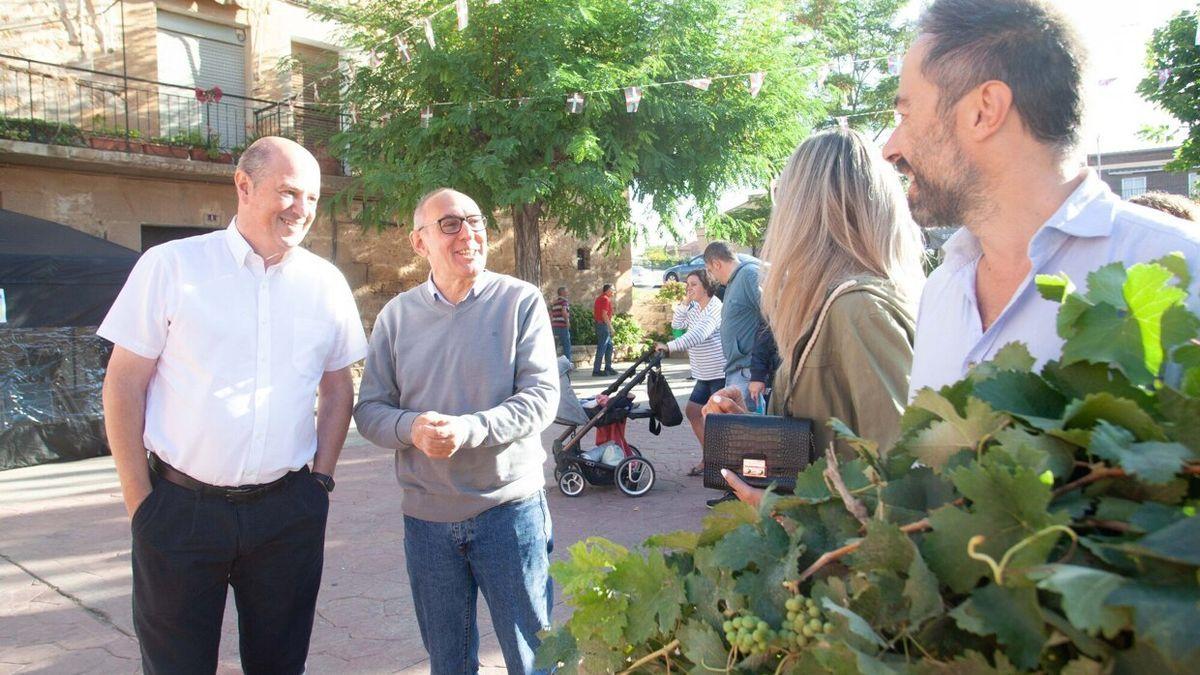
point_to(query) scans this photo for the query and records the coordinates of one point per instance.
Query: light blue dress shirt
(1092, 228)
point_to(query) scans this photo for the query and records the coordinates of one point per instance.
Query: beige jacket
(858, 368)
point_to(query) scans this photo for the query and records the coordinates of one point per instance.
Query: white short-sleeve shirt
(240, 350)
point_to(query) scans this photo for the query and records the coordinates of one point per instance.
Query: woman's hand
(745, 492)
(661, 348)
(725, 401)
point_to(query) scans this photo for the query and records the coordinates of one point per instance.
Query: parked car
(680, 271)
(644, 277)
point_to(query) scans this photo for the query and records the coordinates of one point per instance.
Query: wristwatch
(324, 479)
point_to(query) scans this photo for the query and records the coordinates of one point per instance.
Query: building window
(1132, 186)
(583, 259)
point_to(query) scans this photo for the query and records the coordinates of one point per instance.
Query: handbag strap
(812, 338)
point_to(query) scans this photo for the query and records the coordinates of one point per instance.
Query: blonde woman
(840, 228)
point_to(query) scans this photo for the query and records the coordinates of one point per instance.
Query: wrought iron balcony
(48, 103)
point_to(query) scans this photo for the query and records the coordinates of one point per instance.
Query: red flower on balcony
(209, 95)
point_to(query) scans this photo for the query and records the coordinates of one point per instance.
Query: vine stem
(1102, 472)
(664, 651)
(834, 476)
(921, 525)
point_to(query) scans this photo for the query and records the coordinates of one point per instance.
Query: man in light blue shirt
(989, 108)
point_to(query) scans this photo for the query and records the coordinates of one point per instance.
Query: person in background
(602, 312)
(1175, 205)
(560, 321)
(764, 361)
(700, 315)
(740, 315)
(839, 222)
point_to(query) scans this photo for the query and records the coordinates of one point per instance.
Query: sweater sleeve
(679, 316)
(700, 328)
(535, 396)
(378, 414)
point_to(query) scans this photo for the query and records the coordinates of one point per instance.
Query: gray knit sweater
(489, 359)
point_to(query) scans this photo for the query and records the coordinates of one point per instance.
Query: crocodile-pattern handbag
(765, 449)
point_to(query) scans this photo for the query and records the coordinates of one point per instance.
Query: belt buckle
(243, 494)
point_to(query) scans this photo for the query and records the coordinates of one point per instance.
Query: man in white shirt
(222, 341)
(990, 108)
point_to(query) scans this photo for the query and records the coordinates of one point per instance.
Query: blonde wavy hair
(839, 212)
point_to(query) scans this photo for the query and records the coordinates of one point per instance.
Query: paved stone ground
(65, 577)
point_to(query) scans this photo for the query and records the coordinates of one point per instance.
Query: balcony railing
(49, 103)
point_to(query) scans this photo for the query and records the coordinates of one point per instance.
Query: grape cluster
(805, 622)
(750, 634)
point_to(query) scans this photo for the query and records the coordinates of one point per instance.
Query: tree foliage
(1173, 82)
(534, 158)
(1025, 521)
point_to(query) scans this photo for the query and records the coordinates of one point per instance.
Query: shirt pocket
(311, 341)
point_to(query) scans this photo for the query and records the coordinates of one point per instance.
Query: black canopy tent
(54, 275)
(58, 283)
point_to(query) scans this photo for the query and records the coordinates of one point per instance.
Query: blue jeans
(563, 337)
(504, 552)
(604, 348)
(740, 378)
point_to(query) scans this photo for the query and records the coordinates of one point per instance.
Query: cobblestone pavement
(65, 577)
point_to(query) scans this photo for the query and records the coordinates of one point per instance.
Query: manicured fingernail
(724, 472)
(718, 397)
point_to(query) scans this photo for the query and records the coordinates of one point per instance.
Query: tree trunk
(528, 241)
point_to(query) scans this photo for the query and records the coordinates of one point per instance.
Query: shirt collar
(475, 287)
(241, 250)
(1086, 213)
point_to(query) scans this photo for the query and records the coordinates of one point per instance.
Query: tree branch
(839, 553)
(1100, 472)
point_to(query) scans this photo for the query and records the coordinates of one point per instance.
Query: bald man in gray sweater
(461, 381)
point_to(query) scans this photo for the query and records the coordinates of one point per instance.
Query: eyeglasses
(453, 224)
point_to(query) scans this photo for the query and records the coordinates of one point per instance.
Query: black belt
(239, 494)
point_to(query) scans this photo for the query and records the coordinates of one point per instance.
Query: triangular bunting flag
(893, 64)
(575, 103)
(429, 34)
(822, 75)
(633, 96)
(1163, 75)
(460, 7)
(402, 48)
(701, 83)
(756, 83)
(1106, 81)
(426, 114)
(843, 122)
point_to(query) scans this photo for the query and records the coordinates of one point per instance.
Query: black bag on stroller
(662, 401)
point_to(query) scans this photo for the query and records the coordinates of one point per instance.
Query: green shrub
(672, 292)
(583, 325)
(627, 334)
(41, 131)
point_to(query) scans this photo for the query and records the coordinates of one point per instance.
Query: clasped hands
(439, 436)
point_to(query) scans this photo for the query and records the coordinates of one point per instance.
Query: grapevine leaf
(1077, 380)
(725, 518)
(1023, 395)
(764, 588)
(1156, 304)
(589, 562)
(855, 441)
(1082, 666)
(935, 445)
(970, 663)
(1008, 504)
(1054, 287)
(1013, 356)
(1179, 543)
(912, 496)
(1083, 590)
(1188, 358)
(749, 543)
(1164, 615)
(1181, 412)
(558, 646)
(884, 548)
(921, 589)
(1014, 617)
(1036, 451)
(701, 645)
(681, 540)
(1119, 411)
(654, 591)
(855, 623)
(1155, 463)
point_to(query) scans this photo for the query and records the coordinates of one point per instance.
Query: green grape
(828, 627)
(808, 632)
(727, 626)
(814, 612)
(762, 625)
(815, 624)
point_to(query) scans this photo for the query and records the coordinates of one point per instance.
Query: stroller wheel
(571, 483)
(634, 476)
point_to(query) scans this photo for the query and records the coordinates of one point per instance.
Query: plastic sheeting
(50, 385)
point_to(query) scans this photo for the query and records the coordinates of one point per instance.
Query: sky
(1115, 33)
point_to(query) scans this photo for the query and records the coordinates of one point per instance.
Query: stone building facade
(96, 67)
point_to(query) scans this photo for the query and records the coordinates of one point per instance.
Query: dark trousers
(189, 548)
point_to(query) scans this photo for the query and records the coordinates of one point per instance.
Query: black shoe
(596, 373)
(610, 371)
(728, 496)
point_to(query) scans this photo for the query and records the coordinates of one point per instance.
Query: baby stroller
(613, 460)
